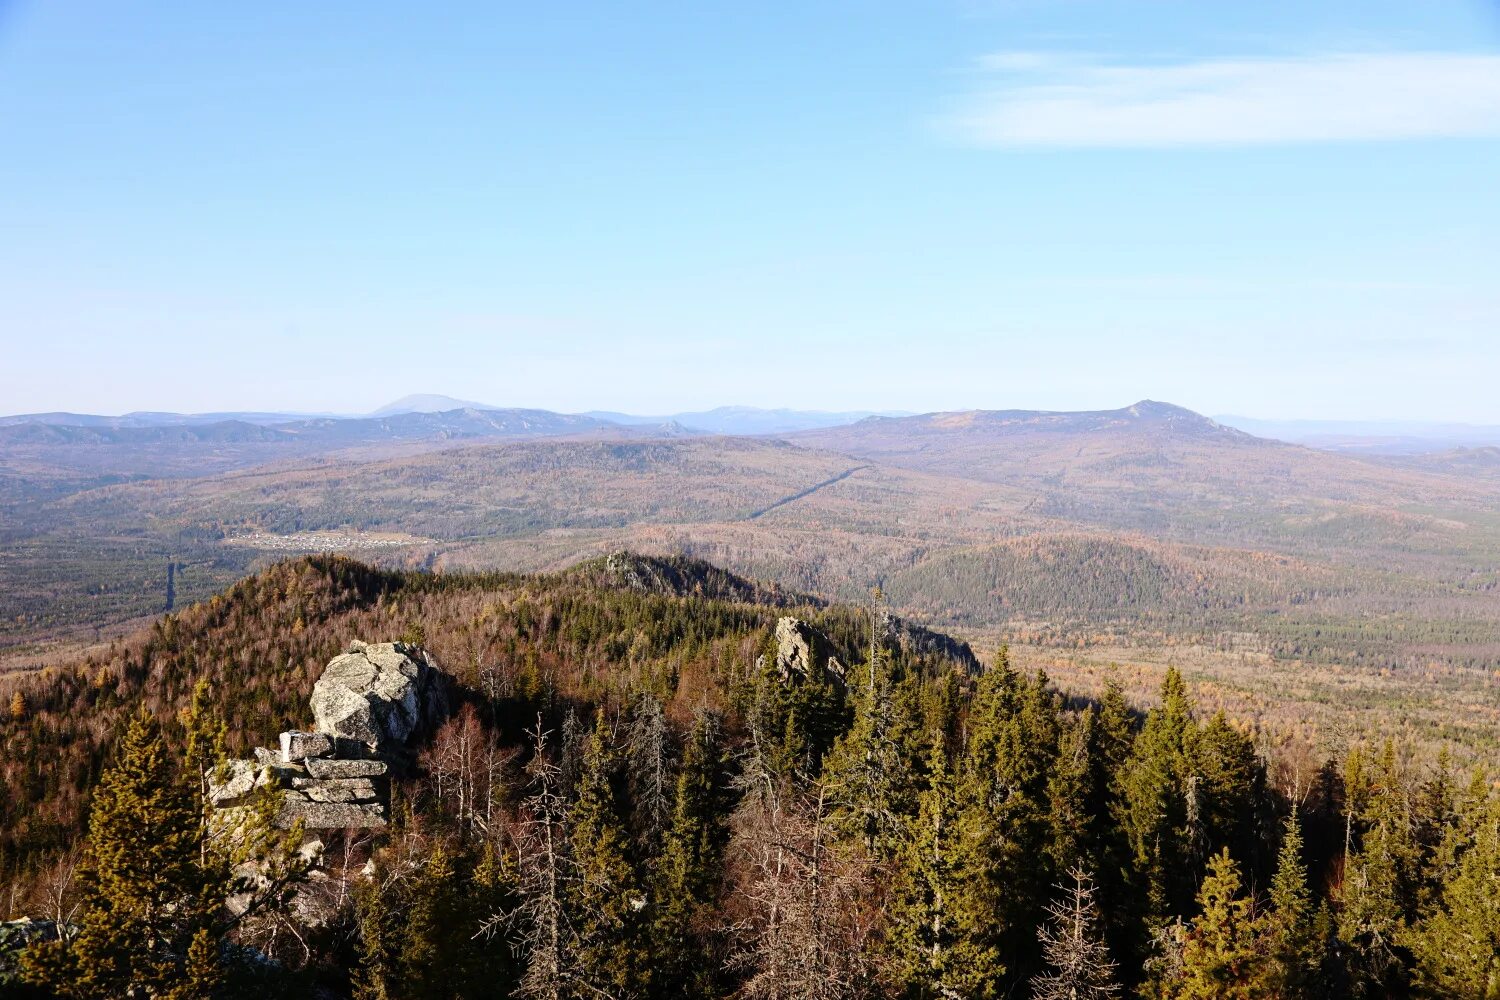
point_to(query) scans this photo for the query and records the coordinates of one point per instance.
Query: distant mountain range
(722, 420)
(751, 419)
(424, 416)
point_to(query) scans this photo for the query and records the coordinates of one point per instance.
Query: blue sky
(1282, 210)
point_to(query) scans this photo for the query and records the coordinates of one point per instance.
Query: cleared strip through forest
(815, 487)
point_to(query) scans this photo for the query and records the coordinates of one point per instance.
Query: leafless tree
(1081, 968)
(466, 769)
(538, 927)
(807, 932)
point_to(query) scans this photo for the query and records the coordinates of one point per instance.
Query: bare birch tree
(466, 768)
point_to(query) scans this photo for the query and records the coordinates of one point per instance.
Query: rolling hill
(1117, 522)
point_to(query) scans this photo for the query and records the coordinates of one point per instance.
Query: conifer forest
(629, 796)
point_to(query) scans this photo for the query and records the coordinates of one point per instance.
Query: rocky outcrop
(682, 576)
(377, 694)
(367, 705)
(913, 639)
(802, 649)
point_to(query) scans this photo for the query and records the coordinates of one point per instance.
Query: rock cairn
(368, 704)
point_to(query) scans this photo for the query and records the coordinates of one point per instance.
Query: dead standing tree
(1081, 968)
(649, 754)
(466, 767)
(538, 927)
(807, 935)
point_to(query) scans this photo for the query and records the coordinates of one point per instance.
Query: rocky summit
(367, 705)
(376, 694)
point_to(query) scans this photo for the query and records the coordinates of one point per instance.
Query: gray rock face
(801, 649)
(377, 694)
(332, 815)
(240, 778)
(296, 746)
(334, 768)
(338, 790)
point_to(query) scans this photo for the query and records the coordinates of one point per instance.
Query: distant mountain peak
(428, 402)
(1151, 409)
(1156, 408)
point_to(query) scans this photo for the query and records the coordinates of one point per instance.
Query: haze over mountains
(1097, 523)
(1383, 438)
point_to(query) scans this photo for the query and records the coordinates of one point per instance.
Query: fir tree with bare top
(1079, 962)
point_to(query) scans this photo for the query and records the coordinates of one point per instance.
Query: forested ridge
(630, 801)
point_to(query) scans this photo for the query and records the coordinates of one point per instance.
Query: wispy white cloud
(1071, 100)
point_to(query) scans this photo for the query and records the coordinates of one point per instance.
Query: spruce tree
(944, 935)
(147, 925)
(871, 768)
(606, 900)
(688, 872)
(1219, 959)
(1378, 895)
(1156, 794)
(1289, 925)
(1456, 943)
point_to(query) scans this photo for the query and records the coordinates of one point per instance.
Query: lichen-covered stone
(380, 693)
(237, 780)
(297, 745)
(369, 703)
(801, 649)
(331, 815)
(333, 767)
(360, 787)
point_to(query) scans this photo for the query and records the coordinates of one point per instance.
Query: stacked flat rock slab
(367, 704)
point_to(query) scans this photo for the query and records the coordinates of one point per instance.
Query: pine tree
(606, 900)
(147, 926)
(1078, 960)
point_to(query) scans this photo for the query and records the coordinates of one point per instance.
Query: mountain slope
(1150, 467)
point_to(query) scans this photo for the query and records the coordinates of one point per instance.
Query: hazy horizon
(1370, 425)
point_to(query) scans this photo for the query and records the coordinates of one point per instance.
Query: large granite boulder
(378, 694)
